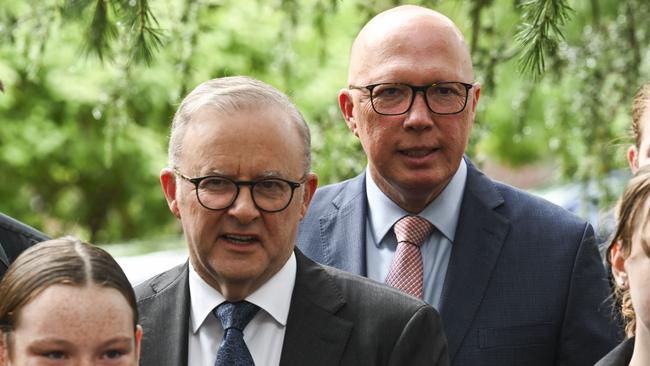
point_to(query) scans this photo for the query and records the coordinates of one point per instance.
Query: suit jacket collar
(480, 235)
(315, 335)
(619, 356)
(343, 228)
(4, 260)
(165, 342)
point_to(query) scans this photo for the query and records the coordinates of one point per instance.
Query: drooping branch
(541, 32)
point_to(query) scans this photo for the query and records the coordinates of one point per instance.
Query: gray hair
(234, 93)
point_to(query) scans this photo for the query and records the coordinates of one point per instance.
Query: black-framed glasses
(216, 192)
(393, 99)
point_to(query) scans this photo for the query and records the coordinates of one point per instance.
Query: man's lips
(418, 152)
(241, 239)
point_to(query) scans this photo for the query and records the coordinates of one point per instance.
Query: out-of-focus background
(90, 88)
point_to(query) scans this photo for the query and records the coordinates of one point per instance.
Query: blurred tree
(83, 138)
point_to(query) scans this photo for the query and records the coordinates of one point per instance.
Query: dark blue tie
(234, 316)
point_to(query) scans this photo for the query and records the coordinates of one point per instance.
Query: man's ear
(633, 158)
(618, 266)
(138, 341)
(168, 183)
(475, 94)
(347, 108)
(310, 188)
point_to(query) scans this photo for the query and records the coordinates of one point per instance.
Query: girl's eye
(54, 355)
(112, 354)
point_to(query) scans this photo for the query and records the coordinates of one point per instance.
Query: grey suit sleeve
(422, 341)
(588, 323)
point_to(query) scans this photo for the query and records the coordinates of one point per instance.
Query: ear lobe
(633, 158)
(168, 183)
(346, 105)
(618, 266)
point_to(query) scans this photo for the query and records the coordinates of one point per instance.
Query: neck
(641, 354)
(411, 200)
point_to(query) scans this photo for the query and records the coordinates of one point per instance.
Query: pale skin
(238, 249)
(632, 272)
(411, 157)
(96, 328)
(639, 156)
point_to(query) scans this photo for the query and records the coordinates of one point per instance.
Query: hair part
(234, 94)
(63, 261)
(639, 107)
(632, 216)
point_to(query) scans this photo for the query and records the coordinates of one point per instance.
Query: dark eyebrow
(118, 340)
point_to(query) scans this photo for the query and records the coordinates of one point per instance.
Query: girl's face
(633, 272)
(72, 325)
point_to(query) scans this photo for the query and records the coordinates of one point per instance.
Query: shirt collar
(274, 296)
(442, 212)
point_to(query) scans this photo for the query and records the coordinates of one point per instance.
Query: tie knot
(412, 229)
(235, 314)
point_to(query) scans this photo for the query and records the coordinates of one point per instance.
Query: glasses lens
(391, 98)
(447, 98)
(216, 192)
(272, 194)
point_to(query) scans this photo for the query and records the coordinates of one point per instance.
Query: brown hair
(631, 214)
(67, 261)
(639, 106)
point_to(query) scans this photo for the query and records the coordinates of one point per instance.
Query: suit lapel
(171, 301)
(4, 260)
(315, 335)
(480, 234)
(343, 228)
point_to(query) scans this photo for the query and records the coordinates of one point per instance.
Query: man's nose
(244, 209)
(419, 117)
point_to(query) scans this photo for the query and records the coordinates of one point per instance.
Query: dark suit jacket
(619, 356)
(14, 238)
(524, 286)
(335, 318)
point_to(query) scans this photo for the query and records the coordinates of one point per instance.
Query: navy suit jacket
(14, 238)
(525, 284)
(334, 318)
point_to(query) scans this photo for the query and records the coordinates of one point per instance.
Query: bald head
(407, 29)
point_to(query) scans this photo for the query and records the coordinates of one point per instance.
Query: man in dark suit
(239, 180)
(517, 280)
(14, 238)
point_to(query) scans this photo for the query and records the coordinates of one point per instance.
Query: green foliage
(541, 32)
(84, 138)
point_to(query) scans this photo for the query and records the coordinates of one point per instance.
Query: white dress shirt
(264, 335)
(442, 212)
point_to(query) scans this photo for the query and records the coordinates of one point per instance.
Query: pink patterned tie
(406, 270)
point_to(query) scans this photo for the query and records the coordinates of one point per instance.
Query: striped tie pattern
(405, 271)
